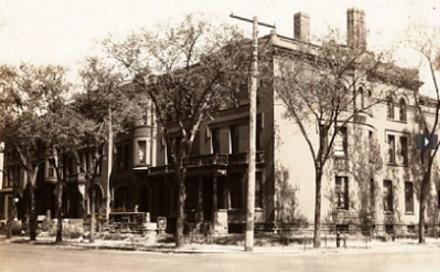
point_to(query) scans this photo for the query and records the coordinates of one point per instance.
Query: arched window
(390, 108)
(402, 110)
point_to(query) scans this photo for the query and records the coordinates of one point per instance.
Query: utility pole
(250, 209)
(109, 165)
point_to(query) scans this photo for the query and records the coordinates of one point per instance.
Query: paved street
(23, 257)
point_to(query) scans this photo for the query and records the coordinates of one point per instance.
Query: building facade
(371, 182)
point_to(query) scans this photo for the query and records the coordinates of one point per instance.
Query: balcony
(224, 159)
(217, 161)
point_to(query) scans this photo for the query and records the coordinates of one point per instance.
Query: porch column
(200, 200)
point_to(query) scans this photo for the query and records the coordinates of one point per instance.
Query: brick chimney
(301, 26)
(356, 33)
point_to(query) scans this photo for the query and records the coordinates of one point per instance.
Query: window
(340, 143)
(370, 147)
(118, 157)
(50, 170)
(372, 195)
(370, 101)
(215, 140)
(341, 190)
(362, 95)
(236, 194)
(390, 108)
(391, 149)
(409, 197)
(235, 139)
(10, 176)
(402, 110)
(259, 190)
(99, 163)
(387, 196)
(404, 150)
(142, 147)
(125, 157)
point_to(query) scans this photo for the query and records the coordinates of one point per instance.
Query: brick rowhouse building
(384, 201)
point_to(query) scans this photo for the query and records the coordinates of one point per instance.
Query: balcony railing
(219, 160)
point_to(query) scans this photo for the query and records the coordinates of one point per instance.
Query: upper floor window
(215, 140)
(390, 108)
(50, 170)
(404, 150)
(340, 143)
(402, 110)
(142, 148)
(362, 95)
(387, 196)
(341, 190)
(371, 153)
(235, 139)
(391, 149)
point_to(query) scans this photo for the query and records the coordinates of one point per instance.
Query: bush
(69, 231)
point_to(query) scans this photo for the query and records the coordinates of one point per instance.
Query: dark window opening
(259, 190)
(341, 190)
(341, 143)
(142, 149)
(390, 108)
(391, 149)
(215, 140)
(387, 196)
(235, 139)
(402, 110)
(404, 150)
(236, 194)
(409, 197)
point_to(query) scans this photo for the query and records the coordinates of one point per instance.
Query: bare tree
(189, 72)
(320, 86)
(107, 109)
(425, 41)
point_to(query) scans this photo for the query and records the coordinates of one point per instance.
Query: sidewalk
(354, 247)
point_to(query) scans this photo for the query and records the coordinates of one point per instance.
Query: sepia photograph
(284, 135)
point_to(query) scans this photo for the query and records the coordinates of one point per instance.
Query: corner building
(371, 181)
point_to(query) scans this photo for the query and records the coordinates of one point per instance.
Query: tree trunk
(317, 223)
(10, 223)
(200, 200)
(32, 213)
(59, 212)
(92, 216)
(422, 208)
(180, 215)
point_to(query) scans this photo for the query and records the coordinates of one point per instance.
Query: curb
(235, 250)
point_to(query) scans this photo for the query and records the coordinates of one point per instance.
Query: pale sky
(65, 31)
